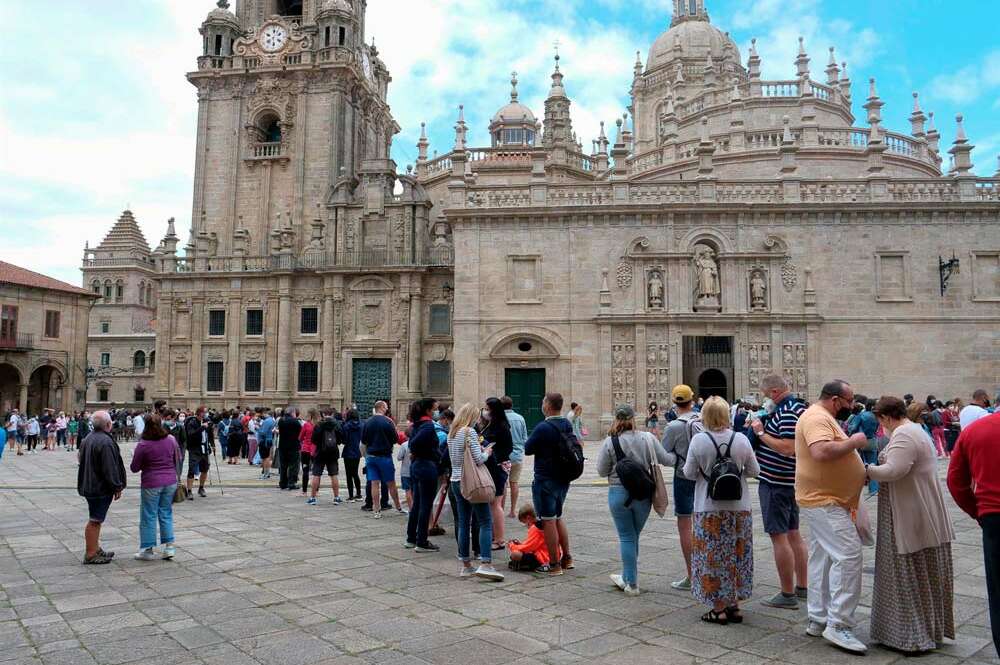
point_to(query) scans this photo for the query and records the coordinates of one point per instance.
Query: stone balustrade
(377, 257)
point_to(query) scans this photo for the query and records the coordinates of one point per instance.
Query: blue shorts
(781, 512)
(548, 496)
(683, 497)
(380, 469)
(99, 506)
(404, 482)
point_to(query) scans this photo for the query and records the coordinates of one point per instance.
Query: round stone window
(524, 347)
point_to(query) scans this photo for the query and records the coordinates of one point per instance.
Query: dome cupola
(514, 124)
(219, 31)
(691, 37)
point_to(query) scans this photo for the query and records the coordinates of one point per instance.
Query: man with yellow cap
(676, 439)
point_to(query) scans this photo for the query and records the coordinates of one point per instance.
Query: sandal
(499, 546)
(96, 560)
(567, 563)
(733, 614)
(712, 616)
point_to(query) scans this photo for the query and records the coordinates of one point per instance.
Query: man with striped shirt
(776, 456)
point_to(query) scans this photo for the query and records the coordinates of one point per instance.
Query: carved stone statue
(655, 289)
(707, 286)
(758, 290)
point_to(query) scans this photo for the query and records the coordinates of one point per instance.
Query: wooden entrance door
(526, 387)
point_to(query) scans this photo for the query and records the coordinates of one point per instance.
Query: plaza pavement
(262, 578)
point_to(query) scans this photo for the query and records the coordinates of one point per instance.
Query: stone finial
(618, 134)
(832, 71)
(513, 86)
(802, 60)
(753, 48)
(872, 92)
(222, 4)
(961, 150)
(171, 231)
(735, 97)
(422, 144)
(638, 64)
(786, 134)
(933, 136)
(917, 118)
(874, 104)
(460, 129)
(960, 136)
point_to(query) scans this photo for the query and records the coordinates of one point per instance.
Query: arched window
(107, 289)
(272, 130)
(142, 293)
(149, 294)
(152, 360)
(119, 291)
(139, 360)
(96, 286)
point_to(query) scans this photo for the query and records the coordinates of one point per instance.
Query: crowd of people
(815, 464)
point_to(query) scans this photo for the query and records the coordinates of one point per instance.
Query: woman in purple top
(158, 457)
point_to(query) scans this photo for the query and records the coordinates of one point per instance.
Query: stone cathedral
(723, 227)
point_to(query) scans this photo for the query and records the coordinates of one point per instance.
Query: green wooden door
(526, 387)
(371, 382)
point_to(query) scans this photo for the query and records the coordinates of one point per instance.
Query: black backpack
(568, 459)
(634, 477)
(725, 483)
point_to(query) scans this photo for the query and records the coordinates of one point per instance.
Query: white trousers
(835, 565)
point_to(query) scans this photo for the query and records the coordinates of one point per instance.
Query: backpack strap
(615, 441)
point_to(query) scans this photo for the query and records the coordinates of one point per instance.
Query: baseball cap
(624, 412)
(682, 394)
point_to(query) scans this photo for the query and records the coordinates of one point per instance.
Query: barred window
(255, 322)
(440, 323)
(308, 376)
(217, 322)
(213, 378)
(251, 376)
(309, 324)
(439, 377)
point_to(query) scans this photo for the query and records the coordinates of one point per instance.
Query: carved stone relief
(623, 274)
(654, 289)
(757, 283)
(623, 366)
(789, 276)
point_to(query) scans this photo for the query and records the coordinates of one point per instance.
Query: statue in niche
(655, 289)
(758, 290)
(707, 289)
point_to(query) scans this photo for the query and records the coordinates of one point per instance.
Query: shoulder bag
(180, 494)
(477, 483)
(660, 499)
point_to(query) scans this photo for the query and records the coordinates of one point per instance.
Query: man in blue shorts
(100, 480)
(378, 436)
(676, 439)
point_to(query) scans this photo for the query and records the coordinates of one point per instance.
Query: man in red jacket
(974, 482)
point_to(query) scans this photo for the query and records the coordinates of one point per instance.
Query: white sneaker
(631, 590)
(169, 552)
(488, 572)
(145, 555)
(377, 516)
(619, 582)
(815, 628)
(467, 571)
(843, 637)
(682, 585)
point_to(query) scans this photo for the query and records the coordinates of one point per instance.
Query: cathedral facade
(724, 227)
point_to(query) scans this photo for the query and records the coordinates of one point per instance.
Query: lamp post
(946, 269)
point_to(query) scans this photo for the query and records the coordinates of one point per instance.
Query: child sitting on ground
(532, 554)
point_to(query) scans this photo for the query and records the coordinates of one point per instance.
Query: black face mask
(843, 414)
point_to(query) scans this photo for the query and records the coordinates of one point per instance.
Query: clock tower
(290, 102)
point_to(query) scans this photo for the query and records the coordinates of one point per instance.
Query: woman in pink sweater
(158, 458)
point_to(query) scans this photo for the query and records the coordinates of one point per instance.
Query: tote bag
(660, 500)
(477, 483)
(863, 523)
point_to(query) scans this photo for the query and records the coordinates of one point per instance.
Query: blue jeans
(485, 519)
(629, 522)
(424, 483)
(871, 458)
(157, 507)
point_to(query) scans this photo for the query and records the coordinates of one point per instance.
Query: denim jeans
(157, 507)
(871, 458)
(464, 527)
(424, 482)
(629, 522)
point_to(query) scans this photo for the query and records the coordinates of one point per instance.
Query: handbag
(660, 500)
(477, 483)
(181, 493)
(863, 523)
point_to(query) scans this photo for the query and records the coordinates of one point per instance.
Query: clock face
(273, 38)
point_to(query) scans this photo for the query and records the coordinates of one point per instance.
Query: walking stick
(218, 472)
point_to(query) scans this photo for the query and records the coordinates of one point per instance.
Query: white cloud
(968, 83)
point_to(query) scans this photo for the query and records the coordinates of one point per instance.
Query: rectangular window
(309, 323)
(439, 377)
(105, 327)
(308, 376)
(255, 322)
(251, 376)
(213, 376)
(218, 45)
(105, 359)
(440, 323)
(8, 324)
(342, 36)
(326, 42)
(217, 322)
(140, 395)
(51, 323)
(102, 394)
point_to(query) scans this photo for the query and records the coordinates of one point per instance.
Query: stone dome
(697, 39)
(514, 112)
(221, 14)
(336, 7)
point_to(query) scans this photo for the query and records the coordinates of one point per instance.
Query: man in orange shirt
(829, 475)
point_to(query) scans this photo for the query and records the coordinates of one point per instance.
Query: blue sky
(96, 114)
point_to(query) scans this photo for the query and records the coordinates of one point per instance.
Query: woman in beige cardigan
(912, 602)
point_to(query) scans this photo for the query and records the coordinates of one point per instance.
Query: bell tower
(291, 102)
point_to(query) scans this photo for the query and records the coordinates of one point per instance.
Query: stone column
(22, 400)
(415, 340)
(234, 332)
(197, 334)
(329, 338)
(283, 356)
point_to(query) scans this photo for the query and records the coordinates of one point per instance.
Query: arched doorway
(10, 388)
(712, 382)
(44, 390)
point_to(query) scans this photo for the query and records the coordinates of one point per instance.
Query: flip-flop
(499, 546)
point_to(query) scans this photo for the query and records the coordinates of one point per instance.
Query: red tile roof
(12, 274)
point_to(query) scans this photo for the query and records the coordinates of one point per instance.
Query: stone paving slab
(262, 578)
